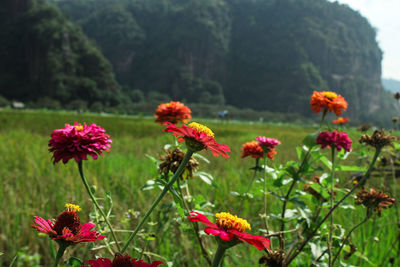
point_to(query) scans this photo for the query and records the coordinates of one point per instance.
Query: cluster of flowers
(80, 141)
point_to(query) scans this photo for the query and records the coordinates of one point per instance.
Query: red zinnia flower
(336, 139)
(197, 137)
(172, 112)
(78, 141)
(254, 150)
(120, 261)
(340, 120)
(67, 227)
(328, 101)
(230, 227)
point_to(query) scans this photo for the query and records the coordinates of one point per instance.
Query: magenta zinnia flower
(78, 141)
(67, 227)
(267, 143)
(120, 261)
(335, 139)
(230, 227)
(197, 137)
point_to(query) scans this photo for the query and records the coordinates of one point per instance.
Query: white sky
(384, 15)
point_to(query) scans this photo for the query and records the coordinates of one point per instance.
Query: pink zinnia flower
(335, 139)
(230, 227)
(267, 143)
(67, 227)
(120, 261)
(78, 141)
(197, 137)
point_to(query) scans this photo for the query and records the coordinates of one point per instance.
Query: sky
(384, 15)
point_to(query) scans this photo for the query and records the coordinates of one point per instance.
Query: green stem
(60, 253)
(251, 182)
(331, 224)
(289, 259)
(218, 256)
(295, 179)
(97, 205)
(178, 173)
(195, 225)
(265, 190)
(323, 117)
(348, 235)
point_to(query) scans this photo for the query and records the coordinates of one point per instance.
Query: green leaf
(349, 168)
(206, 177)
(198, 156)
(310, 140)
(74, 262)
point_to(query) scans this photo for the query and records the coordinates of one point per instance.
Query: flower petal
(259, 242)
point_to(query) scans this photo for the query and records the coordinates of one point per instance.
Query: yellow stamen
(79, 127)
(355, 182)
(330, 95)
(201, 128)
(72, 207)
(231, 222)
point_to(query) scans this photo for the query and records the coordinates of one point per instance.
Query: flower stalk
(85, 183)
(219, 255)
(167, 187)
(265, 190)
(369, 213)
(60, 252)
(332, 195)
(289, 259)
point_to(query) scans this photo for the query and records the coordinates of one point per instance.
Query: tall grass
(31, 185)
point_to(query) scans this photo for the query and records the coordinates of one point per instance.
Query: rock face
(303, 46)
(264, 55)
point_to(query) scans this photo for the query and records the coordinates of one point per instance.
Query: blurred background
(256, 59)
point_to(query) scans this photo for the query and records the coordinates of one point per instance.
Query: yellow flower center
(228, 221)
(330, 95)
(201, 128)
(72, 207)
(79, 127)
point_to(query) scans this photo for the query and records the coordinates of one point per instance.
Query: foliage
(264, 55)
(53, 59)
(118, 177)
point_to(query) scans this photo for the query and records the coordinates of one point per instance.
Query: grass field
(31, 185)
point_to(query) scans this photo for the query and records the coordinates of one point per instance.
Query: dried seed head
(379, 139)
(375, 200)
(171, 161)
(364, 127)
(274, 258)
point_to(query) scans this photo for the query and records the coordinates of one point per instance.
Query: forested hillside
(264, 55)
(47, 58)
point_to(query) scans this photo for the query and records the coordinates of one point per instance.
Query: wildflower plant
(308, 192)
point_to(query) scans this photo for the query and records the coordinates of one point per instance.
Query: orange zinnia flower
(328, 101)
(340, 120)
(254, 150)
(173, 112)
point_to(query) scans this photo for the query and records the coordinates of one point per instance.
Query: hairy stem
(60, 253)
(80, 167)
(331, 222)
(251, 182)
(195, 225)
(282, 236)
(265, 191)
(166, 188)
(348, 235)
(219, 255)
